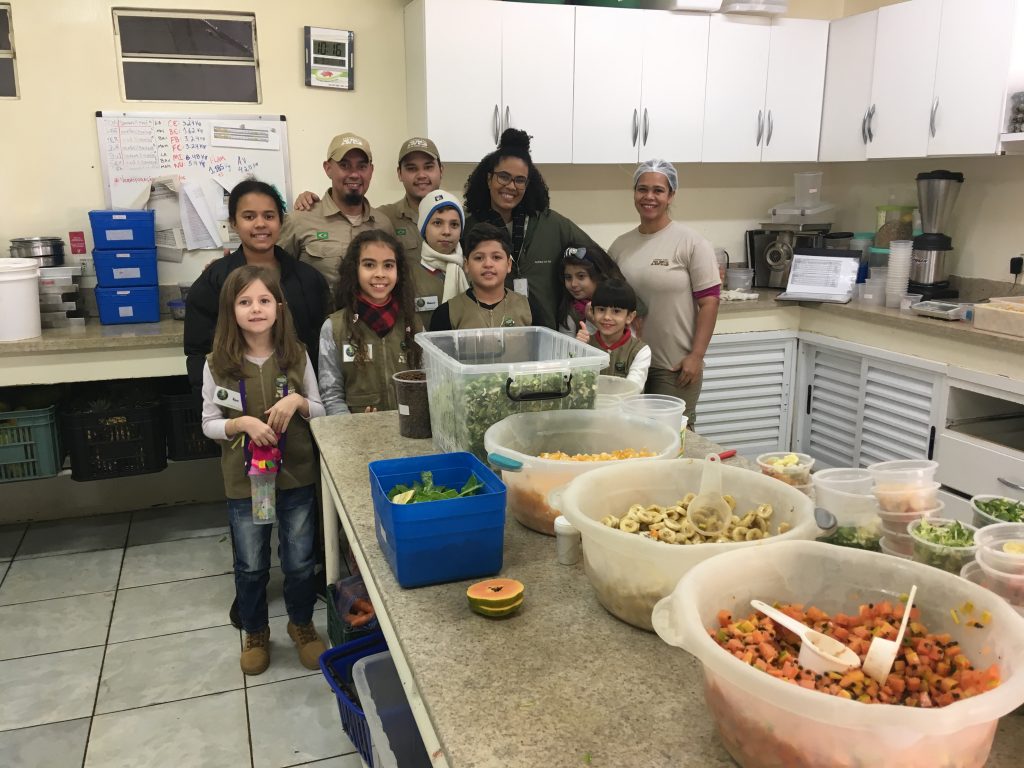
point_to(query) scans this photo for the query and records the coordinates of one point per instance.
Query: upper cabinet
(475, 68)
(638, 89)
(844, 115)
(766, 103)
(970, 77)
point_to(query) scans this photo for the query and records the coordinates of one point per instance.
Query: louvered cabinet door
(745, 401)
(829, 422)
(898, 417)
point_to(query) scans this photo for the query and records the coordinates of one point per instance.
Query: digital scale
(938, 309)
(330, 58)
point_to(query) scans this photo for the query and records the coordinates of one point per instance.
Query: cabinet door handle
(760, 127)
(931, 123)
(494, 125)
(771, 127)
(508, 118)
(636, 126)
(1011, 484)
(871, 118)
(647, 126)
(864, 127)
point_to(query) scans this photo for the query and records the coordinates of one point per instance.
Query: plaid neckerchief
(381, 319)
(518, 233)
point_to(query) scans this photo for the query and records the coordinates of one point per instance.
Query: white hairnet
(664, 167)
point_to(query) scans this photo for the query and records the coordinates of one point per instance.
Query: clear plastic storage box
(475, 378)
(393, 733)
(764, 721)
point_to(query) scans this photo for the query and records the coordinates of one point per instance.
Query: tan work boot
(308, 642)
(256, 653)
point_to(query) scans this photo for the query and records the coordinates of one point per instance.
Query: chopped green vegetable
(855, 536)
(1002, 509)
(948, 535)
(947, 546)
(425, 490)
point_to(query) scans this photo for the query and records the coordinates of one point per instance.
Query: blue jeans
(296, 524)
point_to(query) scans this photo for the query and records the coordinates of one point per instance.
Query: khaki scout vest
(427, 284)
(298, 468)
(465, 312)
(621, 358)
(368, 382)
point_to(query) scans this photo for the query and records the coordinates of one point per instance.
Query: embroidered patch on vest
(620, 367)
(321, 235)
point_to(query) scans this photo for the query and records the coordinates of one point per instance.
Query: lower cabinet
(747, 393)
(854, 409)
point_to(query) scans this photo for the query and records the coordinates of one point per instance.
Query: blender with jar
(929, 269)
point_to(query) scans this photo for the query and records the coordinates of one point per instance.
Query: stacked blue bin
(125, 260)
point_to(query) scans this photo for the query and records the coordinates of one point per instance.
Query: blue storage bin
(116, 269)
(336, 666)
(128, 305)
(121, 230)
(437, 541)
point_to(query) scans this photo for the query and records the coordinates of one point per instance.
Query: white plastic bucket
(19, 299)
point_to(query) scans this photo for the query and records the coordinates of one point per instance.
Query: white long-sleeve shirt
(641, 364)
(214, 422)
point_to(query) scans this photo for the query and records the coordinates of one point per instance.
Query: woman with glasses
(673, 269)
(507, 190)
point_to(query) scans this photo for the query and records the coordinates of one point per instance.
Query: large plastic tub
(433, 542)
(630, 573)
(524, 435)
(763, 721)
(336, 665)
(476, 378)
(393, 733)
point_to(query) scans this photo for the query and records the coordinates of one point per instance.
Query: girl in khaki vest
(370, 338)
(259, 390)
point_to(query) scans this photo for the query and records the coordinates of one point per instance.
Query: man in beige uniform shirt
(419, 169)
(321, 235)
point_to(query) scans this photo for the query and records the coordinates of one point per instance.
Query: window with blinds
(8, 68)
(187, 56)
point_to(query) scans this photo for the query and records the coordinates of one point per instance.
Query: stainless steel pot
(48, 251)
(927, 267)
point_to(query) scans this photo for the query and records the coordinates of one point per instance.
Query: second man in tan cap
(321, 235)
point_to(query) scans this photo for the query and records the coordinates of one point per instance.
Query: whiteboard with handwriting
(136, 148)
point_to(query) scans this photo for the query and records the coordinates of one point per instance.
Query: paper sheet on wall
(243, 134)
(197, 220)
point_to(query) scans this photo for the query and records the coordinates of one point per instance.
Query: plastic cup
(413, 407)
(852, 481)
(908, 300)
(951, 559)
(915, 471)
(663, 408)
(974, 573)
(739, 279)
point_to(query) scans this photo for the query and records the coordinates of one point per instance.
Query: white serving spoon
(714, 510)
(882, 653)
(818, 653)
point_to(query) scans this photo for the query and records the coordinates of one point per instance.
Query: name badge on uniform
(426, 303)
(280, 382)
(348, 353)
(227, 398)
(521, 286)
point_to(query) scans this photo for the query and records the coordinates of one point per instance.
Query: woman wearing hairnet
(673, 270)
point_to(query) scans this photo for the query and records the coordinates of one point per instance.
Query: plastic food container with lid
(764, 721)
(1008, 589)
(846, 493)
(630, 573)
(617, 386)
(477, 377)
(983, 518)
(910, 471)
(513, 445)
(1001, 548)
(798, 473)
(906, 500)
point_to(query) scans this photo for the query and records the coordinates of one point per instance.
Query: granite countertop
(96, 336)
(563, 683)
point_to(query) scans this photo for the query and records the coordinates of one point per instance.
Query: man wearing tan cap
(419, 169)
(321, 235)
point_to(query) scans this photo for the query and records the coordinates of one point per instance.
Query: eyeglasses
(505, 179)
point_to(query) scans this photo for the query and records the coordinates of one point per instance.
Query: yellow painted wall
(51, 178)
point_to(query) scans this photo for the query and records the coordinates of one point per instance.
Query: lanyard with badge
(263, 462)
(520, 284)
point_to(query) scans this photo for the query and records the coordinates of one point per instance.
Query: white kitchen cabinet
(473, 68)
(851, 55)
(737, 77)
(857, 409)
(906, 51)
(796, 80)
(745, 399)
(638, 85)
(765, 104)
(970, 77)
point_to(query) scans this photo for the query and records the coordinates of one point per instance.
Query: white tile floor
(115, 650)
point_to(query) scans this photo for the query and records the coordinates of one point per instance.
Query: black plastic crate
(115, 443)
(183, 423)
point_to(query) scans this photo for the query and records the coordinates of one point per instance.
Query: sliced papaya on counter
(495, 595)
(496, 613)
